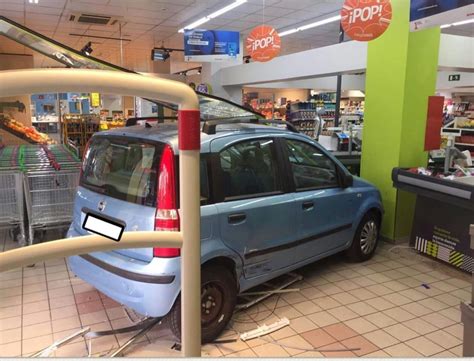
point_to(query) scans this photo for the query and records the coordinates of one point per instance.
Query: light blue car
(273, 200)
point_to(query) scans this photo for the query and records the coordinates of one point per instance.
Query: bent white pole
(22, 82)
(66, 247)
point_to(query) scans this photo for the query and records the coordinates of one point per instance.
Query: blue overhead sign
(428, 13)
(211, 45)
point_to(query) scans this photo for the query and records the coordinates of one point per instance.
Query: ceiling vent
(93, 19)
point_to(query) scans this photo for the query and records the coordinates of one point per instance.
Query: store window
(311, 168)
(249, 169)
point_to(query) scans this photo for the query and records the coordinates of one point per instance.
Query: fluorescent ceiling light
(312, 25)
(215, 14)
(464, 22)
(33, 1)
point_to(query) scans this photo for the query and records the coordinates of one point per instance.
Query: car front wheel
(366, 238)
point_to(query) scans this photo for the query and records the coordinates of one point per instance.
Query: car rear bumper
(141, 286)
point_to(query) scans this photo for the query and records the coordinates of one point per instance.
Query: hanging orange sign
(263, 43)
(365, 20)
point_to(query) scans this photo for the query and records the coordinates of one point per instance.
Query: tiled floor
(379, 308)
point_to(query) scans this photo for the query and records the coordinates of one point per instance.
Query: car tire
(218, 298)
(366, 238)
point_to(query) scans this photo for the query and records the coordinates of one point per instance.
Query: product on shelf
(30, 133)
(110, 124)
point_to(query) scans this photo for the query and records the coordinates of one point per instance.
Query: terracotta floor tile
(402, 350)
(424, 346)
(340, 331)
(64, 324)
(416, 309)
(10, 322)
(453, 313)
(381, 338)
(326, 303)
(248, 353)
(63, 312)
(34, 279)
(34, 288)
(362, 343)
(92, 318)
(323, 318)
(37, 317)
(12, 349)
(458, 351)
(110, 303)
(438, 320)
(115, 313)
(57, 276)
(336, 350)
(377, 354)
(35, 307)
(86, 297)
(448, 299)
(39, 329)
(362, 308)
(302, 324)
(401, 332)
(399, 314)
(270, 350)
(360, 325)
(60, 292)
(9, 336)
(89, 307)
(82, 288)
(343, 313)
(395, 286)
(345, 298)
(307, 307)
(433, 304)
(11, 301)
(62, 302)
(456, 330)
(295, 345)
(380, 303)
(58, 284)
(8, 312)
(318, 338)
(444, 339)
(362, 293)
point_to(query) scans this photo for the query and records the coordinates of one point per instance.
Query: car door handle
(307, 206)
(236, 218)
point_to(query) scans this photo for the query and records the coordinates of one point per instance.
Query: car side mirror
(347, 180)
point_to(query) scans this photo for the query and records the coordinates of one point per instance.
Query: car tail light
(86, 148)
(167, 215)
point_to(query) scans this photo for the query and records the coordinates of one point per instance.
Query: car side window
(311, 168)
(249, 168)
(204, 181)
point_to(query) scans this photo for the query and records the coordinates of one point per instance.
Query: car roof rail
(209, 126)
(134, 121)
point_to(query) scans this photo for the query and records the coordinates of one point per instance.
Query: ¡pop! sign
(263, 43)
(366, 20)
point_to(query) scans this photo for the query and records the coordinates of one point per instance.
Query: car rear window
(122, 168)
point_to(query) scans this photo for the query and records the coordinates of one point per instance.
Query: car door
(254, 209)
(324, 209)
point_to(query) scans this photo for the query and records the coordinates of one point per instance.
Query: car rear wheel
(366, 238)
(218, 297)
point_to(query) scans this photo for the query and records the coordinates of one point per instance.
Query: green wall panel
(401, 74)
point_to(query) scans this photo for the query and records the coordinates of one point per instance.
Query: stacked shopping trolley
(38, 185)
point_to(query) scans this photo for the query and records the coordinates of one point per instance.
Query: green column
(401, 74)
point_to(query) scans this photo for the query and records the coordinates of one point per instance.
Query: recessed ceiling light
(33, 1)
(215, 14)
(311, 25)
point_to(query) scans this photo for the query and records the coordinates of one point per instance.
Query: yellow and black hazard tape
(456, 258)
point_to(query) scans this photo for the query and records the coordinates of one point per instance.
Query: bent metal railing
(20, 82)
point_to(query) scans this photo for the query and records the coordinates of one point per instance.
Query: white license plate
(103, 226)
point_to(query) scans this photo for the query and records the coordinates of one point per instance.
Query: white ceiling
(148, 23)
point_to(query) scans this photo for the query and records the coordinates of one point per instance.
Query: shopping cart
(11, 201)
(49, 198)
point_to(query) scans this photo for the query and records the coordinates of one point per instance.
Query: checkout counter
(443, 214)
